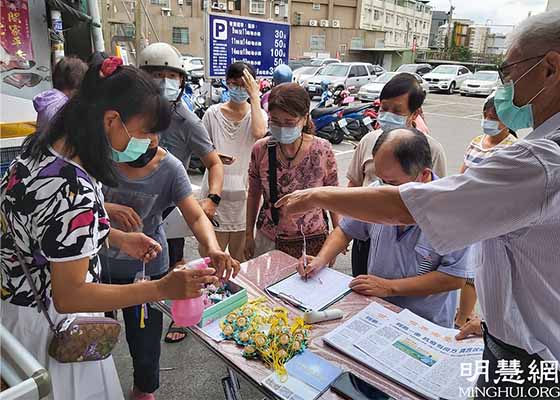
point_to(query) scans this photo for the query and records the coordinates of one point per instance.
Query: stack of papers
(309, 376)
(314, 294)
(412, 351)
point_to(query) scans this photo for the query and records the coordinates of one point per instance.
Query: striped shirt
(476, 152)
(511, 204)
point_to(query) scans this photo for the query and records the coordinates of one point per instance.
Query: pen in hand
(304, 251)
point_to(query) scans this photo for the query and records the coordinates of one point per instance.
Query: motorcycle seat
(350, 110)
(319, 112)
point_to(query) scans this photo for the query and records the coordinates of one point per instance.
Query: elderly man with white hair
(510, 203)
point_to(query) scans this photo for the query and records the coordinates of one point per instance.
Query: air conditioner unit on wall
(324, 23)
(312, 22)
(218, 6)
(180, 2)
(336, 23)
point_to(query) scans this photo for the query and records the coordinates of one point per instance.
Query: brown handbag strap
(40, 302)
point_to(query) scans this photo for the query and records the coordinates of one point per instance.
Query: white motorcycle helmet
(161, 55)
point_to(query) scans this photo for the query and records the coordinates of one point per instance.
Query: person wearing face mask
(496, 136)
(234, 127)
(300, 160)
(186, 135)
(54, 221)
(510, 203)
(149, 185)
(402, 266)
(401, 104)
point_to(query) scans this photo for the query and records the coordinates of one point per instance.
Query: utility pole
(138, 29)
(449, 30)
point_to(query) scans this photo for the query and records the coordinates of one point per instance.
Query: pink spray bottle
(188, 312)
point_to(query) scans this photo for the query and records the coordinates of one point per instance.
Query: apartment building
(439, 18)
(478, 36)
(319, 27)
(405, 22)
(496, 44)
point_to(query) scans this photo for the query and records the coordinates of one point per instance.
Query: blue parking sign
(263, 44)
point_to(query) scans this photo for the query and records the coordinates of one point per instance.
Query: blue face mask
(490, 127)
(238, 94)
(134, 149)
(390, 121)
(512, 116)
(284, 134)
(170, 88)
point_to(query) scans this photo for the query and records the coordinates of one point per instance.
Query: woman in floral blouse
(302, 161)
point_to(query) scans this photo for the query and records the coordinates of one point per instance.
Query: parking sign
(263, 44)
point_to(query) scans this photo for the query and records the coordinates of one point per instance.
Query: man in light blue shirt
(510, 203)
(402, 266)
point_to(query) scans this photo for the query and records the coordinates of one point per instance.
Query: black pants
(176, 246)
(360, 255)
(495, 350)
(144, 344)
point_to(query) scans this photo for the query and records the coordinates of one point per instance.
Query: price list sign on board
(263, 44)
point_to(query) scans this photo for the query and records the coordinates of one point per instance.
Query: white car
(448, 77)
(482, 83)
(319, 62)
(372, 91)
(341, 76)
(301, 75)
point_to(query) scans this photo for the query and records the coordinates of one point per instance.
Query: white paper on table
(213, 331)
(315, 293)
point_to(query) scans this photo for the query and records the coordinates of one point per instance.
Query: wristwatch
(215, 198)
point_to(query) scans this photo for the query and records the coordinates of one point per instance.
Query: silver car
(372, 91)
(301, 75)
(482, 83)
(341, 75)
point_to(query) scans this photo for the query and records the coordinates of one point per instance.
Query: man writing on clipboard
(402, 266)
(519, 279)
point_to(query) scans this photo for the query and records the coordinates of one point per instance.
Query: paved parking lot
(190, 371)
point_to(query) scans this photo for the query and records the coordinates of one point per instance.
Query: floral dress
(51, 211)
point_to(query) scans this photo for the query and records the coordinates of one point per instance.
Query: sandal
(175, 329)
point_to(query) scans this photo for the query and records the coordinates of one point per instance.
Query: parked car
(482, 83)
(340, 75)
(376, 70)
(194, 66)
(319, 62)
(304, 73)
(372, 91)
(420, 69)
(448, 77)
(298, 63)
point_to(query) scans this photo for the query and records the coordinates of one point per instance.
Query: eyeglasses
(502, 68)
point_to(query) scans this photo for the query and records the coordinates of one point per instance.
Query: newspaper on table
(418, 354)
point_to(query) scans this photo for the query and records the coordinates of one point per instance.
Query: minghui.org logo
(519, 392)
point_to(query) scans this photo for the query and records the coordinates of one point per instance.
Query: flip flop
(175, 329)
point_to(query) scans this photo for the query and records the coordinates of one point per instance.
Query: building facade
(406, 23)
(439, 18)
(320, 28)
(496, 44)
(478, 35)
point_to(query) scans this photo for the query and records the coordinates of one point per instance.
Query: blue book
(309, 376)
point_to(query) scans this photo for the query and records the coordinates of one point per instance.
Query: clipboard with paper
(314, 294)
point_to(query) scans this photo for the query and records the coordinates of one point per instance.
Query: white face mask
(491, 127)
(170, 88)
(284, 134)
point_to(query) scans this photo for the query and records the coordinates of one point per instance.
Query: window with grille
(180, 35)
(257, 7)
(163, 3)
